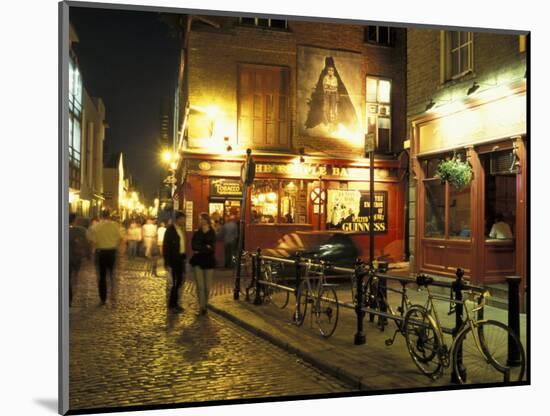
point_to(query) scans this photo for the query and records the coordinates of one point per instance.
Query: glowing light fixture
(430, 105)
(167, 156)
(473, 88)
(271, 196)
(261, 198)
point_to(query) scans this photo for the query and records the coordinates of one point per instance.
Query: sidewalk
(373, 366)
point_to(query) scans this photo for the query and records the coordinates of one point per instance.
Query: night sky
(130, 60)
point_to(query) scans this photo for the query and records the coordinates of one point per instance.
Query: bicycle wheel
(279, 297)
(325, 310)
(303, 298)
(490, 364)
(423, 341)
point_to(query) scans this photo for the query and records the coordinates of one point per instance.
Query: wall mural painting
(329, 95)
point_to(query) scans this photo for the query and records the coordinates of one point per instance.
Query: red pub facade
(303, 97)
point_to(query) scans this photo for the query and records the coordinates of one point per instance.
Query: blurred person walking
(133, 237)
(149, 232)
(230, 235)
(173, 250)
(79, 248)
(105, 237)
(161, 230)
(203, 260)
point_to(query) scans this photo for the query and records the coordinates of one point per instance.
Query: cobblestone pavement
(132, 352)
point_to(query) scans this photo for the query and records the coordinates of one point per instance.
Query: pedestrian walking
(79, 248)
(149, 232)
(105, 237)
(229, 233)
(203, 260)
(173, 250)
(133, 237)
(161, 230)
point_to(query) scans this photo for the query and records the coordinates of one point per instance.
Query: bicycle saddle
(423, 280)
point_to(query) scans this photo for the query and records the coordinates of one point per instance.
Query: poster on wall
(329, 95)
(349, 210)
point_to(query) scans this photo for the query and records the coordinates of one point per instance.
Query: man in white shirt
(500, 230)
(105, 237)
(149, 231)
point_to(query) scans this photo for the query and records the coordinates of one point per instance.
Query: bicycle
(322, 298)
(375, 298)
(247, 283)
(273, 292)
(479, 352)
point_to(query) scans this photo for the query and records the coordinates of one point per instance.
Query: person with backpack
(79, 248)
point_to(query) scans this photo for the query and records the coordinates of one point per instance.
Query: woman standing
(203, 260)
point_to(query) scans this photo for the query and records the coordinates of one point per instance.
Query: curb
(337, 372)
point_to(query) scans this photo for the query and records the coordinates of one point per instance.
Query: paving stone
(132, 351)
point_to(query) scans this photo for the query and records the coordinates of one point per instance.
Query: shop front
(299, 199)
(460, 227)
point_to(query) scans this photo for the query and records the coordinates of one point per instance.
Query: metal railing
(361, 270)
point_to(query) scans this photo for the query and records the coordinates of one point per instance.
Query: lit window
(379, 112)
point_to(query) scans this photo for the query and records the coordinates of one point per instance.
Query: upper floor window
(263, 106)
(459, 54)
(382, 35)
(261, 22)
(379, 112)
(75, 88)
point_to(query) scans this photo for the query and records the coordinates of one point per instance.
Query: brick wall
(214, 54)
(496, 60)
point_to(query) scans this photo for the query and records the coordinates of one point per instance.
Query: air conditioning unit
(503, 163)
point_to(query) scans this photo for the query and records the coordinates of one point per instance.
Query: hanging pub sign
(224, 188)
(349, 210)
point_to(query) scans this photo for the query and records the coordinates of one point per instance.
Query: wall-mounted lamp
(473, 88)
(302, 153)
(430, 105)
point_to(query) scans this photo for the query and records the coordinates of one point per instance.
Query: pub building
(303, 97)
(477, 111)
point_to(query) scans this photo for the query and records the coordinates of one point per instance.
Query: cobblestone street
(132, 352)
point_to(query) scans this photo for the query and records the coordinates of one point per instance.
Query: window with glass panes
(75, 112)
(381, 35)
(278, 201)
(263, 105)
(261, 22)
(379, 112)
(459, 54)
(446, 209)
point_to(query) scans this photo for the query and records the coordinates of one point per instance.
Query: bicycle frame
(468, 321)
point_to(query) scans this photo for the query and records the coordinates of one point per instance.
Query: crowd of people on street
(104, 238)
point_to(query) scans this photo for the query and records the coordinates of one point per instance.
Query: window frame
(448, 51)
(424, 163)
(378, 103)
(269, 23)
(277, 117)
(390, 39)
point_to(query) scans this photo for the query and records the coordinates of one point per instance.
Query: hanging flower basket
(456, 172)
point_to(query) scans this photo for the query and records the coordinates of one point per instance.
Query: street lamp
(167, 156)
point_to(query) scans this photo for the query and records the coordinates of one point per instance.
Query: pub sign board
(225, 188)
(349, 210)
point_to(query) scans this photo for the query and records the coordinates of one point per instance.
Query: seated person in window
(288, 218)
(500, 230)
(465, 231)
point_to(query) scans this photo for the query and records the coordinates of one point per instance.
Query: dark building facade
(303, 96)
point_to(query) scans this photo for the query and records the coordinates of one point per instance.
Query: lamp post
(369, 147)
